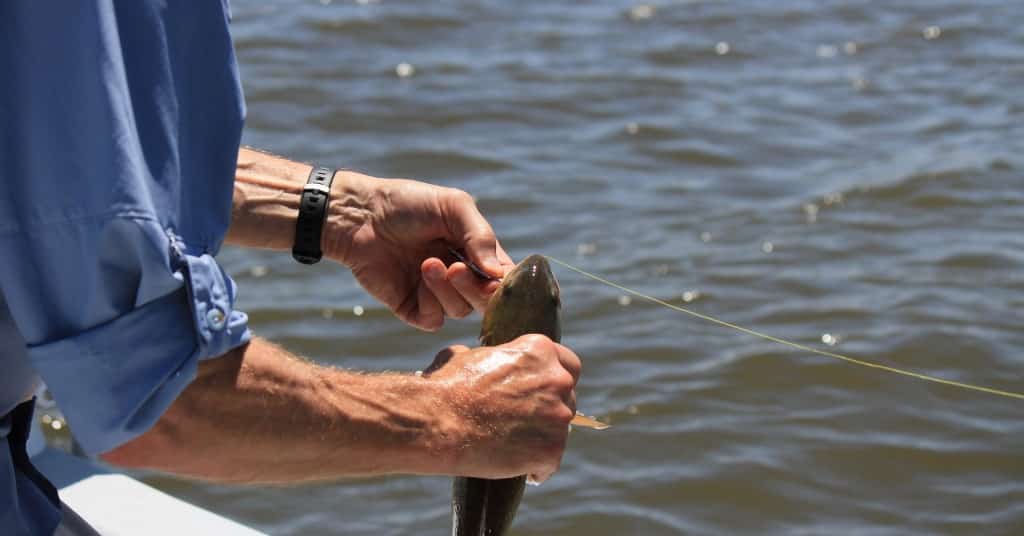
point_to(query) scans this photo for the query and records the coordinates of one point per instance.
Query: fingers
(506, 262)
(536, 479)
(552, 461)
(470, 230)
(570, 364)
(473, 289)
(542, 345)
(528, 386)
(427, 313)
(570, 361)
(570, 401)
(451, 299)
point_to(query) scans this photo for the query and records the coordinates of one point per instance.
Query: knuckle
(538, 343)
(463, 311)
(564, 381)
(563, 416)
(571, 359)
(461, 196)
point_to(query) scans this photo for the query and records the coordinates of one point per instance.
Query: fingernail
(435, 272)
(462, 277)
(492, 265)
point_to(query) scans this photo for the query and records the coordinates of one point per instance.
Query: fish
(527, 301)
(580, 419)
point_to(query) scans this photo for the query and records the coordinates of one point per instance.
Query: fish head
(527, 301)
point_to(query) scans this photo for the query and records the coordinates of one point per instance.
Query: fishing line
(798, 346)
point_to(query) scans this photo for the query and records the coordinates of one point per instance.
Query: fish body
(527, 301)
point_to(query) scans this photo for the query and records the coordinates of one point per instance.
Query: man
(119, 131)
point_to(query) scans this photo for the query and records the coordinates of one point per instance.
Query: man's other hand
(511, 403)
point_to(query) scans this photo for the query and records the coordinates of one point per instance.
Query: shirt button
(215, 317)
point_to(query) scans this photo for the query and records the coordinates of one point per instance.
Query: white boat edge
(116, 504)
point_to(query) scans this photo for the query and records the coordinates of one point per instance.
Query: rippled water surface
(844, 174)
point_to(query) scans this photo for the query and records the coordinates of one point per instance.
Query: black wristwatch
(312, 213)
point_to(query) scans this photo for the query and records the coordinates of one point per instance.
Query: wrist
(447, 438)
(265, 206)
(396, 422)
(351, 207)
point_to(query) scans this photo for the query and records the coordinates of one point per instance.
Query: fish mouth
(535, 259)
(530, 286)
(533, 267)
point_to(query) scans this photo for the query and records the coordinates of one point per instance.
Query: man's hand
(259, 414)
(394, 233)
(513, 404)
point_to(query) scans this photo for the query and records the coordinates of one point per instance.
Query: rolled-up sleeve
(117, 313)
(119, 130)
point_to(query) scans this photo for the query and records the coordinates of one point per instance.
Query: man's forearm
(260, 414)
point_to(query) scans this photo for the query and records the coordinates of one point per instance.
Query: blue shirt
(119, 130)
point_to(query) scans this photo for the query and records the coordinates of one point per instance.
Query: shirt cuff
(114, 381)
(212, 292)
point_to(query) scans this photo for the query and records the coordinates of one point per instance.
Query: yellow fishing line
(798, 346)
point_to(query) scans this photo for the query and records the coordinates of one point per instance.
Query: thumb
(472, 233)
(442, 358)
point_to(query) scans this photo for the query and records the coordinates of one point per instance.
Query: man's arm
(392, 234)
(266, 199)
(261, 415)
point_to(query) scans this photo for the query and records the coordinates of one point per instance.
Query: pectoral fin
(583, 421)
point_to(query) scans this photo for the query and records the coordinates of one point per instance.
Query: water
(844, 174)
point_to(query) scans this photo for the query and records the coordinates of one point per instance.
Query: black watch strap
(312, 213)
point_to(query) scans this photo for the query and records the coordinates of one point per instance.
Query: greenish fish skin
(526, 302)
